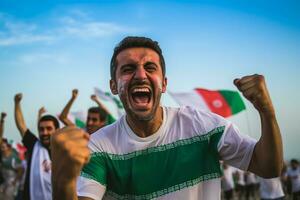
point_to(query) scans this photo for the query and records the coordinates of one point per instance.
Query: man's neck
(148, 127)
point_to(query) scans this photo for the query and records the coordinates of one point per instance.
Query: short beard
(46, 145)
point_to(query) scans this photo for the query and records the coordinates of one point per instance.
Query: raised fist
(69, 152)
(3, 115)
(254, 89)
(94, 97)
(42, 110)
(18, 97)
(74, 93)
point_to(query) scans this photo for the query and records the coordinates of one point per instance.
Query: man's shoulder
(107, 130)
(194, 115)
(189, 111)
(29, 139)
(105, 137)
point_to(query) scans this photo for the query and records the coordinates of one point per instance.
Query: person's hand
(94, 97)
(69, 153)
(74, 93)
(255, 90)
(3, 115)
(42, 110)
(18, 97)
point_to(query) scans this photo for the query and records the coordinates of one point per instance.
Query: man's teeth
(141, 90)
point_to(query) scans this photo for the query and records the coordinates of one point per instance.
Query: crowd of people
(16, 181)
(238, 184)
(151, 152)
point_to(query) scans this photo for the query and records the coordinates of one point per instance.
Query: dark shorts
(296, 195)
(240, 188)
(228, 194)
(280, 198)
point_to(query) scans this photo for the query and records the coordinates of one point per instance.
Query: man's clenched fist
(3, 115)
(18, 97)
(74, 93)
(69, 147)
(255, 90)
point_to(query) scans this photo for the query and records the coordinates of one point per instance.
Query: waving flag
(221, 102)
(78, 118)
(107, 96)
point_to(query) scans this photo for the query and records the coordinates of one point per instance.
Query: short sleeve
(235, 148)
(29, 140)
(90, 188)
(92, 181)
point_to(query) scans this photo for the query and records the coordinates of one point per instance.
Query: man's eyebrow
(127, 65)
(150, 63)
(128, 60)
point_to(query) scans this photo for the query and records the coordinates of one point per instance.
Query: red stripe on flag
(215, 101)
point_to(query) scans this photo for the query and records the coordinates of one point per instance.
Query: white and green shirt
(179, 161)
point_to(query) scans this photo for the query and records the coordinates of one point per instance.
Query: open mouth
(46, 139)
(141, 96)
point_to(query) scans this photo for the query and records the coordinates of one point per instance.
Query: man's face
(294, 165)
(93, 122)
(139, 82)
(46, 128)
(4, 147)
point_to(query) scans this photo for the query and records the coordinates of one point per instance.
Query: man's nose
(89, 122)
(140, 73)
(45, 132)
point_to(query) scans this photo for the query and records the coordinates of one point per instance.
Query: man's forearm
(19, 119)
(1, 129)
(3, 115)
(64, 114)
(64, 190)
(267, 160)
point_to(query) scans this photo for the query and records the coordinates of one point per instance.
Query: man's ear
(113, 86)
(164, 85)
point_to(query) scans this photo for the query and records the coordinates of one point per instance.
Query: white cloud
(93, 29)
(24, 38)
(39, 58)
(75, 24)
(13, 32)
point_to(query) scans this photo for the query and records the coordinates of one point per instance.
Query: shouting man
(160, 152)
(38, 174)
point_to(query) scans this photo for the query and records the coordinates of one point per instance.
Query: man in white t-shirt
(227, 181)
(156, 152)
(251, 182)
(240, 183)
(270, 189)
(293, 174)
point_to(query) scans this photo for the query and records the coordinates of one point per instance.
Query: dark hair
(135, 41)
(101, 112)
(49, 118)
(4, 140)
(295, 161)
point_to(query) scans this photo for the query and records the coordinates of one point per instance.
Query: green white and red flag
(221, 102)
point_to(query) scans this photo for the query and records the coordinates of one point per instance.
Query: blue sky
(48, 48)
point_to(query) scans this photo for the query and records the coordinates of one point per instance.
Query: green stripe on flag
(156, 171)
(79, 123)
(234, 100)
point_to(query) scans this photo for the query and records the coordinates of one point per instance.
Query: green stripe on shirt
(159, 170)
